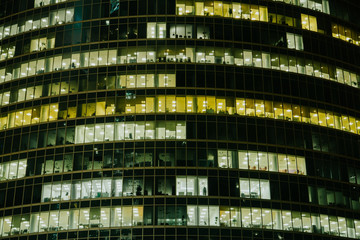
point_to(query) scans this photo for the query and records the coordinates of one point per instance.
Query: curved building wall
(169, 119)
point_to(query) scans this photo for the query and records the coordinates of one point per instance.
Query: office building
(179, 119)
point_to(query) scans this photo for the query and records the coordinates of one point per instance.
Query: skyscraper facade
(179, 119)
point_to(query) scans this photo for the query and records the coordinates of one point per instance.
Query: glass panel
(192, 214)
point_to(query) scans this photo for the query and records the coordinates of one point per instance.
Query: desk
(56, 199)
(96, 225)
(15, 231)
(256, 225)
(254, 195)
(82, 225)
(49, 229)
